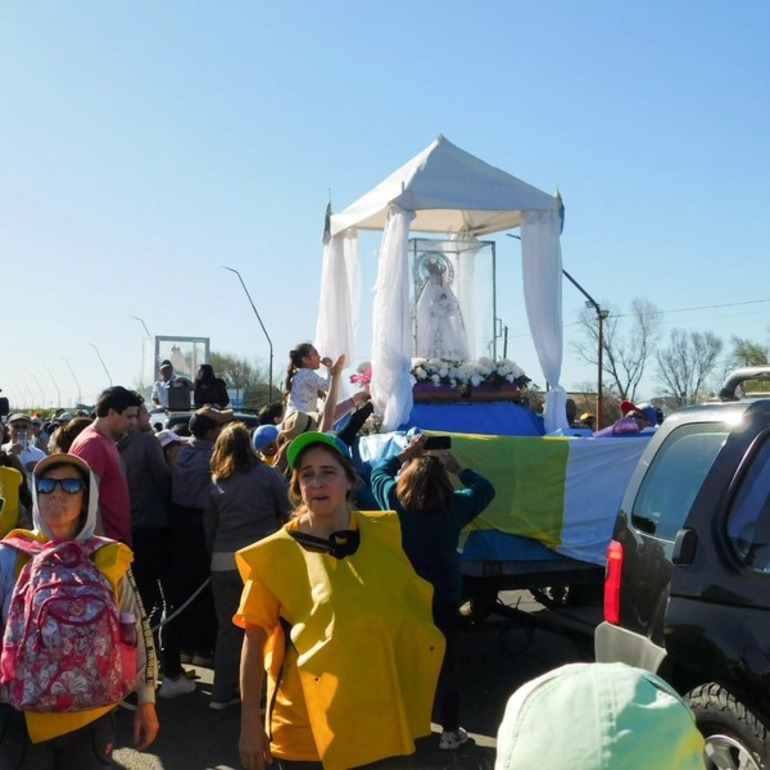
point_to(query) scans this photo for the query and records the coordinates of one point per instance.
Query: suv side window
(674, 478)
(748, 522)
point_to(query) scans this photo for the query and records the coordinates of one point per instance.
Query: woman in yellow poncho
(336, 615)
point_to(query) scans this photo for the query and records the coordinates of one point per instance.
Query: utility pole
(601, 316)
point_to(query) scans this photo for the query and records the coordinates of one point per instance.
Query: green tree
(686, 366)
(745, 352)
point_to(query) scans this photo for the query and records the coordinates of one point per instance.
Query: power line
(701, 307)
(526, 333)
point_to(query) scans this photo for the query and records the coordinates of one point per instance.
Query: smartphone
(23, 439)
(438, 442)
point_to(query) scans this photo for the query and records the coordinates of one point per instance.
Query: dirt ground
(498, 655)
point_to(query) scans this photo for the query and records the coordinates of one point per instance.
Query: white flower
(460, 374)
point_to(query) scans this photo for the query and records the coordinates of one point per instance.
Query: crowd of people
(325, 603)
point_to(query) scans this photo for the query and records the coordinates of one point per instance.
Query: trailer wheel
(735, 738)
(558, 597)
(552, 597)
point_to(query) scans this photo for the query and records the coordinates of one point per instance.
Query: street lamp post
(55, 384)
(146, 330)
(77, 384)
(40, 388)
(601, 316)
(104, 366)
(29, 394)
(267, 336)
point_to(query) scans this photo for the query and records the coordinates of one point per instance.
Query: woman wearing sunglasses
(65, 499)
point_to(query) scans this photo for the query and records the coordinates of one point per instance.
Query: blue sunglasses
(70, 486)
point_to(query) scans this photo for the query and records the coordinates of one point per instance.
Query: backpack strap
(30, 547)
(33, 547)
(94, 543)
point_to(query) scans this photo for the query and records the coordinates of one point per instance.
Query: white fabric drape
(542, 281)
(465, 267)
(340, 301)
(391, 385)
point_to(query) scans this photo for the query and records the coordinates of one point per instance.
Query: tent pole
(494, 301)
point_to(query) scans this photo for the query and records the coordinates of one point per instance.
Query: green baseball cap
(304, 440)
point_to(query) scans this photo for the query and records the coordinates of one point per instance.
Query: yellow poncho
(367, 652)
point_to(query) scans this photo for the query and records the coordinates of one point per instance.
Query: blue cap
(265, 435)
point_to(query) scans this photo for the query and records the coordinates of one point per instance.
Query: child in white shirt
(303, 386)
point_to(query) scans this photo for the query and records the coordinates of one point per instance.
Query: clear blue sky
(144, 145)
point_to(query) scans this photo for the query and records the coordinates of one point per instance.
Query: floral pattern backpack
(62, 649)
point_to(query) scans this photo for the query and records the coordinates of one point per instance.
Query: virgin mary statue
(440, 329)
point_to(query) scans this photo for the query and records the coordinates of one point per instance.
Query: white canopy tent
(443, 190)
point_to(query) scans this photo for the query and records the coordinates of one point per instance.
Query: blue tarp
(496, 418)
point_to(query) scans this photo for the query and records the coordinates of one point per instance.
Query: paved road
(498, 655)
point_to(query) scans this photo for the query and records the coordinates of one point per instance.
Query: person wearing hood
(65, 501)
(598, 716)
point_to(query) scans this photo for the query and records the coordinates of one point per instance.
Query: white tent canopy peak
(450, 191)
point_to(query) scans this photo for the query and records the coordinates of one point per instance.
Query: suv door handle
(685, 545)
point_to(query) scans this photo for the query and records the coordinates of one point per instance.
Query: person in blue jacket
(417, 485)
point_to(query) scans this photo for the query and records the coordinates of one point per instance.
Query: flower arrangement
(468, 374)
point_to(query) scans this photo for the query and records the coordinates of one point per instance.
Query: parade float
(435, 364)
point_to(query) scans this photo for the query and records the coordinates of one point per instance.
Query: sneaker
(221, 705)
(452, 739)
(190, 673)
(173, 688)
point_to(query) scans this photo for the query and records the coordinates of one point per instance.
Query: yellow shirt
(356, 683)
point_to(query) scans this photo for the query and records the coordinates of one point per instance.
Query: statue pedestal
(425, 393)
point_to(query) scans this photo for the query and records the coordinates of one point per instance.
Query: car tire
(735, 737)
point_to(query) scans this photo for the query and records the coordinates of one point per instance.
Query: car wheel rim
(725, 753)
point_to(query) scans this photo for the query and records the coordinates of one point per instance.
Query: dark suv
(687, 588)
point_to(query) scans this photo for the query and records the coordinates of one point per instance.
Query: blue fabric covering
(496, 418)
(492, 545)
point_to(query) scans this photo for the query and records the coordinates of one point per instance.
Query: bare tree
(628, 340)
(686, 365)
(239, 374)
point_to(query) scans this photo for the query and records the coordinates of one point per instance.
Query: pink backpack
(62, 649)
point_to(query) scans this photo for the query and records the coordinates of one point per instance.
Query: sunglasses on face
(70, 486)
